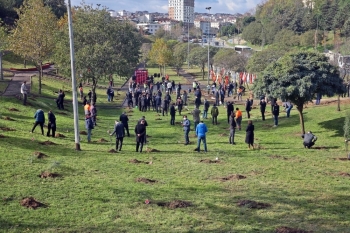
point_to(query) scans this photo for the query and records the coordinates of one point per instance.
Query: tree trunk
(301, 117)
(40, 70)
(25, 63)
(203, 72)
(93, 90)
(1, 71)
(338, 107)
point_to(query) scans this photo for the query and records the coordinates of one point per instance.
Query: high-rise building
(182, 10)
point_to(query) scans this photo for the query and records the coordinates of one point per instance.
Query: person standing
(172, 114)
(248, 108)
(201, 131)
(87, 108)
(249, 138)
(276, 113)
(81, 92)
(289, 107)
(184, 98)
(140, 132)
(119, 132)
(52, 124)
(262, 108)
(196, 117)
(89, 125)
(206, 109)
(179, 103)
(214, 114)
(39, 120)
(158, 103)
(186, 126)
(229, 109)
(165, 104)
(24, 92)
(59, 100)
(232, 128)
(93, 112)
(217, 98)
(239, 118)
(124, 120)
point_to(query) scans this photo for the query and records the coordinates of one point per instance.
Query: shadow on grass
(334, 125)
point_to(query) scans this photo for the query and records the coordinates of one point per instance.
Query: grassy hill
(99, 191)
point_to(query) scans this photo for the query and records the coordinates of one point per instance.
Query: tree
(33, 38)
(3, 46)
(145, 49)
(252, 33)
(298, 77)
(103, 46)
(230, 60)
(160, 54)
(262, 59)
(199, 57)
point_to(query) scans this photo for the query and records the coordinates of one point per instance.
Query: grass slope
(97, 191)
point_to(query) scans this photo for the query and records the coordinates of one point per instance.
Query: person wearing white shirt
(24, 92)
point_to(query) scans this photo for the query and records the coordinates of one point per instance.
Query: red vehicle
(141, 76)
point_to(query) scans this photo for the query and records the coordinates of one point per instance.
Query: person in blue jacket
(201, 131)
(39, 120)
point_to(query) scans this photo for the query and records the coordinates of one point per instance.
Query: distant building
(113, 13)
(151, 28)
(203, 25)
(181, 10)
(145, 18)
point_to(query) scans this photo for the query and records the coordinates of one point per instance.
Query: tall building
(182, 10)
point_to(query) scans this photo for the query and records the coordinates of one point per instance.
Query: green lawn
(4, 83)
(169, 71)
(11, 60)
(97, 191)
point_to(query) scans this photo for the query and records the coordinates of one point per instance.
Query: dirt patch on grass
(290, 230)
(13, 110)
(62, 113)
(83, 132)
(223, 135)
(7, 118)
(150, 150)
(102, 140)
(40, 155)
(277, 157)
(158, 119)
(2, 136)
(233, 177)
(47, 143)
(252, 204)
(145, 180)
(209, 161)
(345, 174)
(148, 136)
(7, 129)
(320, 148)
(58, 135)
(112, 151)
(175, 204)
(47, 174)
(138, 161)
(342, 159)
(267, 126)
(30, 202)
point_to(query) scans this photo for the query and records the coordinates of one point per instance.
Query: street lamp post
(188, 42)
(208, 8)
(74, 82)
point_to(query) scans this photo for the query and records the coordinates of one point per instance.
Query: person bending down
(309, 139)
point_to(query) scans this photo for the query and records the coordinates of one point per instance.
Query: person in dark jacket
(143, 118)
(89, 95)
(248, 108)
(309, 139)
(129, 97)
(206, 109)
(52, 124)
(84, 101)
(249, 138)
(232, 128)
(89, 126)
(39, 120)
(165, 106)
(124, 119)
(276, 113)
(179, 104)
(217, 98)
(229, 109)
(262, 108)
(119, 132)
(60, 99)
(214, 114)
(158, 103)
(140, 132)
(172, 114)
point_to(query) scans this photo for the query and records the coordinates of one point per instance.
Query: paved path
(14, 87)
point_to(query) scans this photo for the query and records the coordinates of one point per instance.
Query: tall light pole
(74, 82)
(188, 41)
(208, 8)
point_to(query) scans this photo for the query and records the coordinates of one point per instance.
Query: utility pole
(74, 82)
(188, 41)
(208, 8)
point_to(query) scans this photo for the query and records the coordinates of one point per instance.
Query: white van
(242, 49)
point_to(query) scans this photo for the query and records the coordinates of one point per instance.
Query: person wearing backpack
(214, 114)
(52, 124)
(89, 125)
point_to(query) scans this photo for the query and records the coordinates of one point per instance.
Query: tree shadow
(334, 125)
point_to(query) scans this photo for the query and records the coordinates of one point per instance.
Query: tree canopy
(33, 38)
(297, 77)
(103, 46)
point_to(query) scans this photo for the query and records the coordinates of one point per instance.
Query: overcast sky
(217, 6)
